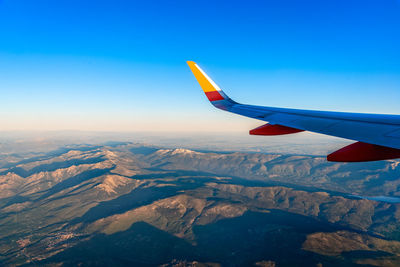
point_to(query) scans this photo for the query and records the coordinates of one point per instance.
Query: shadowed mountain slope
(127, 204)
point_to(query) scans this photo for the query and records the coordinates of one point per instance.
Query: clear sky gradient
(120, 65)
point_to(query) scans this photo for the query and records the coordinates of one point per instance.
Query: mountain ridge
(78, 196)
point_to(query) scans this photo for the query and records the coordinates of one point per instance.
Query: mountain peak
(183, 151)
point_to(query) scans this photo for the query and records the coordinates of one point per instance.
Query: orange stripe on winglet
(205, 84)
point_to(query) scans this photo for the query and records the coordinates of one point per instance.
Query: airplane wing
(378, 135)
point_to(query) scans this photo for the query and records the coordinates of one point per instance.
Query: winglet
(210, 88)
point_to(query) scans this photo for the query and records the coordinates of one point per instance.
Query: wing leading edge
(378, 135)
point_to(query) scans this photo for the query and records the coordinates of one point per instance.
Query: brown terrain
(128, 204)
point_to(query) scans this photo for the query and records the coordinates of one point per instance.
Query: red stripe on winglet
(360, 152)
(214, 96)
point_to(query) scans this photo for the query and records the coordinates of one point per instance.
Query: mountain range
(123, 203)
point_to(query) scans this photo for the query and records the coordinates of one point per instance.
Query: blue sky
(120, 65)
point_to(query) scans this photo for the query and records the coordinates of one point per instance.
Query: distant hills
(129, 204)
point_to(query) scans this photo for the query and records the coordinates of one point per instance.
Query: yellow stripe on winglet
(205, 82)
